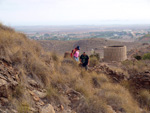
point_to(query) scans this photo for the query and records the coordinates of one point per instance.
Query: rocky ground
(35, 81)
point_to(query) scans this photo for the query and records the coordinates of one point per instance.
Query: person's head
(84, 53)
(78, 47)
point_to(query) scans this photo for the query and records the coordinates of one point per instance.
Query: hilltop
(35, 81)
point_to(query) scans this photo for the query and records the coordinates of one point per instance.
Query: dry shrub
(65, 74)
(93, 105)
(144, 98)
(51, 92)
(18, 92)
(23, 107)
(135, 66)
(84, 87)
(93, 61)
(119, 98)
(55, 57)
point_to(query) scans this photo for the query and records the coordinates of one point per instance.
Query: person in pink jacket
(75, 53)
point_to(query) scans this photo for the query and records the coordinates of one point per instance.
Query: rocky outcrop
(47, 109)
(8, 79)
(116, 76)
(141, 80)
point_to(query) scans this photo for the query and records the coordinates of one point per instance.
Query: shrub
(93, 61)
(55, 57)
(51, 92)
(18, 92)
(93, 105)
(95, 55)
(144, 98)
(23, 107)
(146, 56)
(119, 98)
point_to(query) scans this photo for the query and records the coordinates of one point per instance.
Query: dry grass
(144, 99)
(119, 70)
(18, 92)
(135, 66)
(22, 52)
(93, 61)
(119, 98)
(51, 92)
(49, 70)
(24, 107)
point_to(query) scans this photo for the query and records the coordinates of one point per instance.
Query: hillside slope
(145, 39)
(35, 81)
(86, 45)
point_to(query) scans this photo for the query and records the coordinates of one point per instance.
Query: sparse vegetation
(18, 92)
(144, 98)
(146, 56)
(23, 107)
(91, 92)
(93, 61)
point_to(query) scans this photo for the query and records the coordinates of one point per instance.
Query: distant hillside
(86, 45)
(145, 38)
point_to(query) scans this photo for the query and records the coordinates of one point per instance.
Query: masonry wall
(115, 53)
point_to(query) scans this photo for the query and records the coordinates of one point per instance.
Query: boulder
(47, 109)
(3, 88)
(40, 94)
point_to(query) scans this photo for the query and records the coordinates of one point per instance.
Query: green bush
(146, 56)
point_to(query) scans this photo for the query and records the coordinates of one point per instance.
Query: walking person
(84, 60)
(75, 53)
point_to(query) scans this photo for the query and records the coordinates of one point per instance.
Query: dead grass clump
(18, 92)
(93, 61)
(135, 66)
(55, 57)
(51, 92)
(98, 79)
(93, 105)
(23, 107)
(40, 69)
(84, 88)
(144, 99)
(119, 98)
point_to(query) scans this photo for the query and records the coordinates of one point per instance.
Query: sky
(74, 12)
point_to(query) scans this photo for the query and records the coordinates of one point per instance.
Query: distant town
(114, 32)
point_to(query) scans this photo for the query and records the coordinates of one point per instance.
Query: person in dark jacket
(84, 60)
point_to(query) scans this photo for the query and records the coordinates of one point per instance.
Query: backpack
(73, 51)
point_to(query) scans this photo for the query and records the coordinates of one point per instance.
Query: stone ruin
(115, 53)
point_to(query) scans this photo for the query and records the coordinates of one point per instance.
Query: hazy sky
(73, 12)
